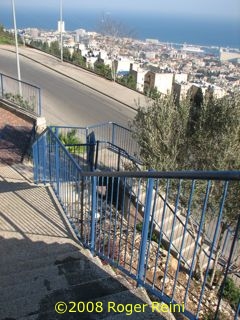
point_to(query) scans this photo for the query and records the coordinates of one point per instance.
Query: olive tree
(199, 133)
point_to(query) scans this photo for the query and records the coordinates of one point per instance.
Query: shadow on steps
(42, 263)
(35, 275)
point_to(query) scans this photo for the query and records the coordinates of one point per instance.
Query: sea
(197, 30)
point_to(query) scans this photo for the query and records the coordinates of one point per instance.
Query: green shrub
(70, 138)
(231, 293)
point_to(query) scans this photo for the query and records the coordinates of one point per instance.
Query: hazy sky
(214, 8)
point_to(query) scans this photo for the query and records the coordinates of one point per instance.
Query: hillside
(5, 36)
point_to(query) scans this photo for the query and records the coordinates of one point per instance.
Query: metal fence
(21, 93)
(105, 132)
(153, 227)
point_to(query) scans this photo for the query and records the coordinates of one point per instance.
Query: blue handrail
(106, 209)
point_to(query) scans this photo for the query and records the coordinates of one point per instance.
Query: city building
(161, 81)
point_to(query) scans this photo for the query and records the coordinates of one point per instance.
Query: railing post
(146, 220)
(57, 162)
(93, 212)
(2, 84)
(39, 111)
(119, 158)
(35, 162)
(113, 133)
(44, 160)
(96, 156)
(91, 150)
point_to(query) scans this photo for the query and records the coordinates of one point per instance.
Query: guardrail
(106, 132)
(120, 217)
(23, 94)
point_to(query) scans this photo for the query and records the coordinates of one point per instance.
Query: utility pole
(61, 31)
(16, 44)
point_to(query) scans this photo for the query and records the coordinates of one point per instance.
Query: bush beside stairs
(42, 262)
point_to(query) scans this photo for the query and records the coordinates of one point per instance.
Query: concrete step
(118, 305)
(56, 277)
(9, 174)
(188, 239)
(22, 257)
(25, 170)
(38, 301)
(37, 262)
(71, 270)
(203, 257)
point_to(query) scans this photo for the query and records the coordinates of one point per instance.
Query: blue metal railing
(120, 217)
(21, 93)
(106, 132)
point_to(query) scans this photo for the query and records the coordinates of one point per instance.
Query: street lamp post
(61, 31)
(16, 44)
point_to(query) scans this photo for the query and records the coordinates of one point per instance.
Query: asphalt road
(65, 101)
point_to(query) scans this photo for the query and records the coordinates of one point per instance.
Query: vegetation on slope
(5, 36)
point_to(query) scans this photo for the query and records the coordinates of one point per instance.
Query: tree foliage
(103, 70)
(78, 59)
(160, 131)
(128, 81)
(196, 134)
(199, 133)
(7, 37)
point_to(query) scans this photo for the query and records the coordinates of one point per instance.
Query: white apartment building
(139, 75)
(161, 81)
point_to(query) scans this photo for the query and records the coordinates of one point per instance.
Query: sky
(214, 8)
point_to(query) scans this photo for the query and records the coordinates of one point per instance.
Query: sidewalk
(108, 88)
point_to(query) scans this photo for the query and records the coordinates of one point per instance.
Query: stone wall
(17, 131)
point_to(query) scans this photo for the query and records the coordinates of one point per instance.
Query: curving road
(65, 101)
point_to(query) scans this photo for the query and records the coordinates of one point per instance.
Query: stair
(42, 262)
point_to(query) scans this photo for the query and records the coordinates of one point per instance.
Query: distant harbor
(198, 31)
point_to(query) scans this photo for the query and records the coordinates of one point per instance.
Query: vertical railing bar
(96, 155)
(97, 215)
(65, 185)
(123, 205)
(44, 158)
(89, 211)
(101, 210)
(184, 234)
(82, 205)
(2, 84)
(161, 231)
(113, 133)
(128, 225)
(135, 223)
(213, 244)
(35, 162)
(116, 218)
(110, 216)
(153, 204)
(105, 218)
(202, 221)
(172, 232)
(237, 311)
(93, 212)
(143, 246)
(121, 227)
(39, 102)
(225, 240)
(119, 159)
